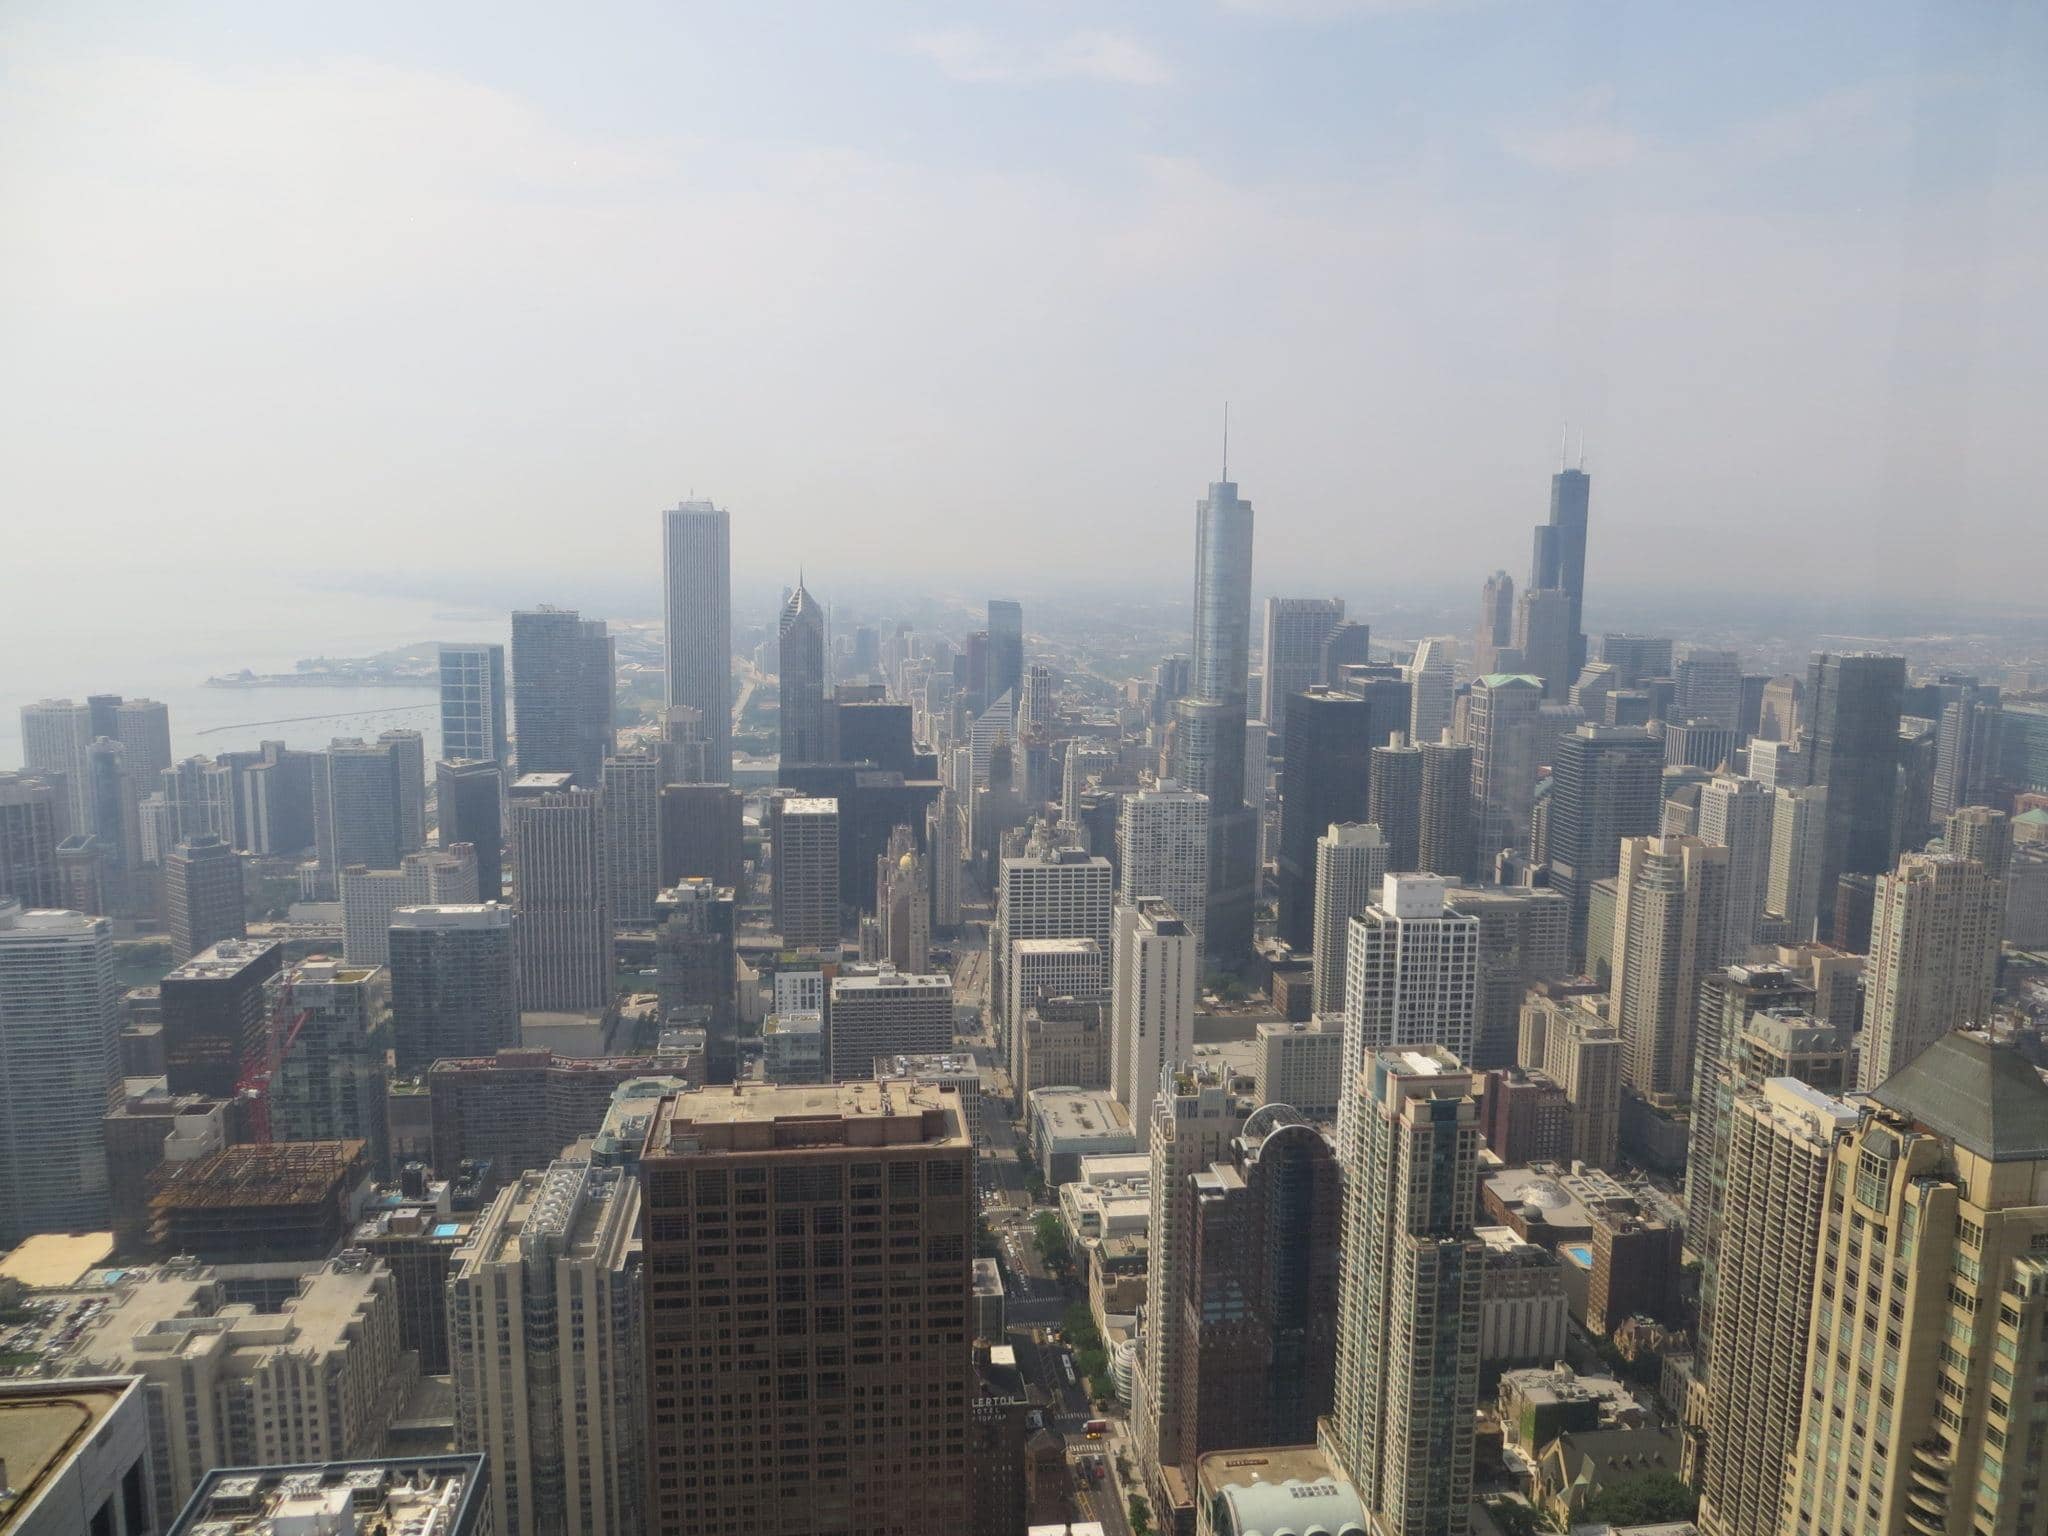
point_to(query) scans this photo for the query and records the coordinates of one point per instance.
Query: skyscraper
(469, 800)
(695, 968)
(203, 895)
(1670, 913)
(544, 1340)
(1444, 824)
(1412, 971)
(28, 841)
(1005, 648)
(60, 1025)
(1046, 893)
(1162, 840)
(1191, 1124)
(1934, 942)
(1560, 554)
(1155, 985)
(216, 1016)
(806, 837)
(1943, 1216)
(370, 896)
(1295, 630)
(56, 735)
(474, 720)
(702, 833)
(1782, 1141)
(361, 807)
(1353, 860)
(696, 564)
(1395, 784)
(562, 680)
(1851, 741)
(1737, 814)
(1410, 1283)
(454, 972)
(1496, 631)
(1501, 718)
(801, 677)
(332, 1022)
(1606, 784)
(1545, 639)
(1432, 682)
(1967, 744)
(877, 1010)
(632, 837)
(1799, 825)
(1709, 689)
(565, 946)
(1209, 744)
(859, 1416)
(1328, 778)
(1524, 938)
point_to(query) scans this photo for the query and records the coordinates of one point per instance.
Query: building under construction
(250, 1204)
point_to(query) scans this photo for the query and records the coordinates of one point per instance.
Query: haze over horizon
(481, 291)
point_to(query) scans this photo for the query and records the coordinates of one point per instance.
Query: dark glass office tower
(1851, 731)
(562, 678)
(1606, 783)
(696, 561)
(470, 798)
(1005, 648)
(1560, 555)
(1327, 779)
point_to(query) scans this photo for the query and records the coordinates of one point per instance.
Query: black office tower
(1560, 554)
(562, 680)
(1396, 801)
(1327, 778)
(470, 801)
(1606, 783)
(1851, 732)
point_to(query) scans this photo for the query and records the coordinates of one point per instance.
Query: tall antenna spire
(1564, 438)
(1226, 440)
(1582, 450)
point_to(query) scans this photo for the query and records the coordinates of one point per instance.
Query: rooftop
(400, 1496)
(1286, 1488)
(766, 1117)
(810, 805)
(42, 1425)
(1073, 1113)
(230, 957)
(1982, 1096)
(277, 1173)
(53, 1259)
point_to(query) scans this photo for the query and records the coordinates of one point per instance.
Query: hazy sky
(961, 288)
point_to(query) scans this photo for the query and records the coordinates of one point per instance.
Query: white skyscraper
(1162, 838)
(1669, 915)
(369, 897)
(632, 837)
(475, 720)
(1049, 893)
(1432, 683)
(1799, 829)
(56, 736)
(544, 1347)
(1737, 814)
(60, 1062)
(1934, 938)
(1156, 981)
(1351, 864)
(1411, 971)
(565, 941)
(697, 584)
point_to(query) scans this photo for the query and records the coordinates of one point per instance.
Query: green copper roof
(2037, 817)
(1499, 679)
(1981, 1096)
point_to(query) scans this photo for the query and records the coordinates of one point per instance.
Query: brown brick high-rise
(808, 1335)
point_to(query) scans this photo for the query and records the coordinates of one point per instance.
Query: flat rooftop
(749, 1117)
(1080, 1113)
(390, 1495)
(230, 957)
(42, 1424)
(812, 805)
(54, 1260)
